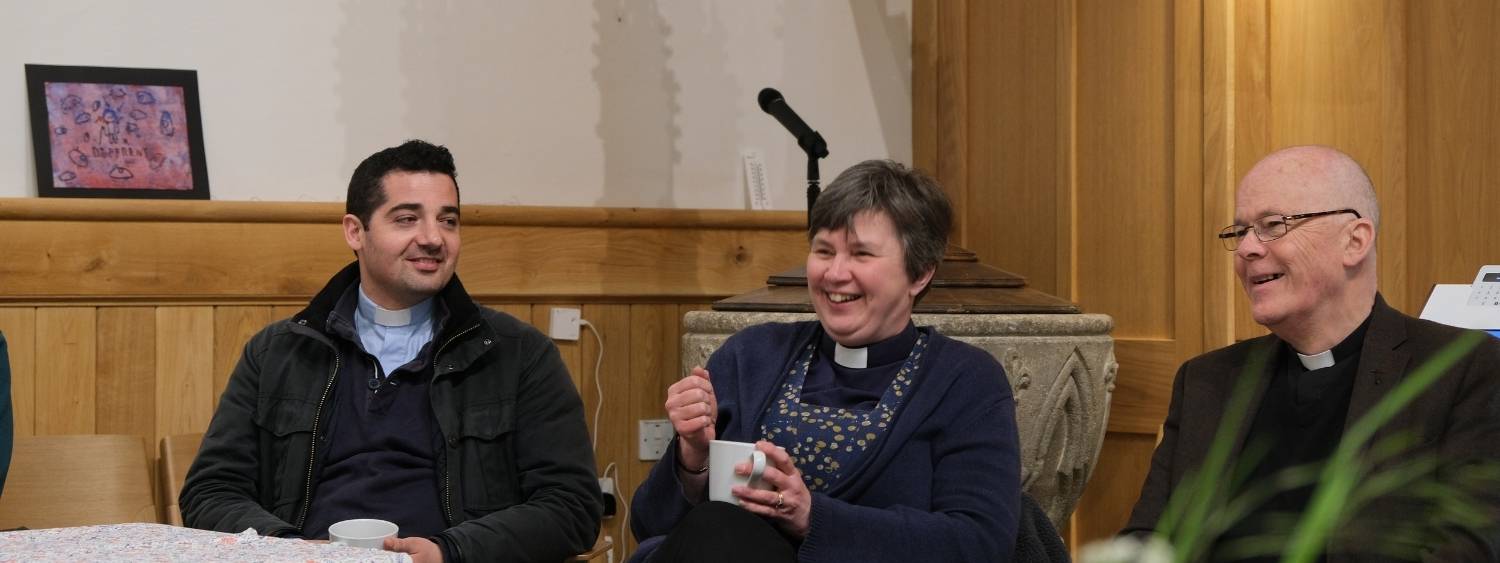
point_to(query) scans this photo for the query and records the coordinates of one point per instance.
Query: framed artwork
(116, 132)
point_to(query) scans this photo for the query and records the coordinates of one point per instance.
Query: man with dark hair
(394, 396)
(1304, 243)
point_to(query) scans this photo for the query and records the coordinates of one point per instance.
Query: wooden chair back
(81, 480)
(177, 453)
(600, 552)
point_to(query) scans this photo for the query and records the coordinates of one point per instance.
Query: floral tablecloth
(160, 542)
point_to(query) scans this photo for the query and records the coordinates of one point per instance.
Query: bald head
(1315, 280)
(1325, 176)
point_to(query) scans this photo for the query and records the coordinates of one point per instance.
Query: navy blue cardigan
(943, 485)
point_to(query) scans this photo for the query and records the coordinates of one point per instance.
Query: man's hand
(421, 550)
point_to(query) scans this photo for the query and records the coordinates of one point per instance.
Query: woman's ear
(917, 287)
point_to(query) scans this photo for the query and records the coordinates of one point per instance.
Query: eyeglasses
(1271, 227)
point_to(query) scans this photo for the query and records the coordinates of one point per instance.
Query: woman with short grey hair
(883, 441)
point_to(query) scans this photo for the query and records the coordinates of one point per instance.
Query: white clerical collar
(1316, 361)
(383, 316)
(851, 357)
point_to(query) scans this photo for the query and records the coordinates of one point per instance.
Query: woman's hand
(692, 408)
(788, 504)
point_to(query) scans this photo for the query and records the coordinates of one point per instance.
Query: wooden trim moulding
(40, 209)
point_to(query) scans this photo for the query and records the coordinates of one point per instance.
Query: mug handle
(757, 467)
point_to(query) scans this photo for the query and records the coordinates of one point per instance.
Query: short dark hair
(916, 205)
(366, 188)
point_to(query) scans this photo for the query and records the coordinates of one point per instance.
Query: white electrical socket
(564, 323)
(655, 434)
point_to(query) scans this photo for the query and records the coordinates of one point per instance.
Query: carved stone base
(1061, 367)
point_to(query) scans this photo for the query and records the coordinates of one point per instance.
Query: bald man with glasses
(1304, 243)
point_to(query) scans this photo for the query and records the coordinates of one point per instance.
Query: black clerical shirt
(829, 384)
(1299, 423)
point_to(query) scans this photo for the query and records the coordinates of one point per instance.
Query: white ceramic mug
(362, 532)
(722, 457)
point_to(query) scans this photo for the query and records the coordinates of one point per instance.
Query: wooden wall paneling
(1453, 165)
(571, 351)
(1392, 186)
(613, 325)
(184, 369)
(328, 213)
(65, 348)
(1123, 463)
(178, 261)
(1219, 130)
(654, 339)
(194, 328)
(19, 326)
(279, 312)
(1139, 151)
(924, 84)
(125, 375)
(521, 311)
(1185, 146)
(1250, 118)
(1338, 78)
(1141, 404)
(951, 167)
(1012, 200)
(640, 262)
(1066, 92)
(173, 260)
(1125, 211)
(233, 327)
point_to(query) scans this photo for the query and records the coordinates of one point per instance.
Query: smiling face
(858, 282)
(1307, 277)
(409, 249)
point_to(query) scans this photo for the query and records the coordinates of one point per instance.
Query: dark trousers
(719, 531)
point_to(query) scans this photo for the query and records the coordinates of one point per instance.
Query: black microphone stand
(816, 148)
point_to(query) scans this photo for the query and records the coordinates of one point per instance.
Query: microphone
(811, 142)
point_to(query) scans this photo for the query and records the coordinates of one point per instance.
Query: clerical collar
(397, 318)
(1319, 360)
(1348, 348)
(893, 349)
(851, 357)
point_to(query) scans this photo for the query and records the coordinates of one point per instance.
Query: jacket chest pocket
(487, 479)
(287, 424)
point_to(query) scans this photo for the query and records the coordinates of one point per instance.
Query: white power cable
(598, 385)
(611, 471)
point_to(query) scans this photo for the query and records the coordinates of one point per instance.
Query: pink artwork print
(118, 136)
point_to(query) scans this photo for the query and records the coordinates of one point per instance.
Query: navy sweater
(943, 485)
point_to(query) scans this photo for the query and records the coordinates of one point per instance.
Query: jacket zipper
(312, 453)
(447, 486)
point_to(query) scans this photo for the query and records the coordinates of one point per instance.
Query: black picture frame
(105, 107)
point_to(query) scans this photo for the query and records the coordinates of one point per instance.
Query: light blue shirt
(393, 337)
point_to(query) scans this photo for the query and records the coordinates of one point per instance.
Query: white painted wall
(543, 102)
